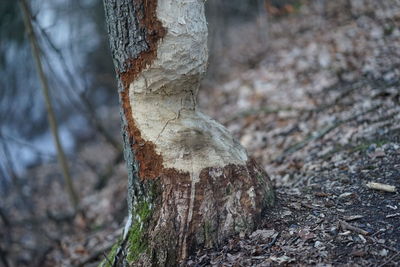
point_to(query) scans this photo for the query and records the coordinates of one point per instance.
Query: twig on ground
(346, 226)
(392, 215)
(382, 187)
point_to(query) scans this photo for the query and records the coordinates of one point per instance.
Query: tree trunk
(191, 184)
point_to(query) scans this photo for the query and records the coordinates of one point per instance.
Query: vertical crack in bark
(189, 215)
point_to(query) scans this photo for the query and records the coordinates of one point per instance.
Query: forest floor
(320, 111)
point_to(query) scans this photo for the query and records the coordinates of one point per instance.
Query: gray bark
(127, 41)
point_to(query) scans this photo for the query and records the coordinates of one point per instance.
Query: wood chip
(347, 194)
(382, 187)
(345, 233)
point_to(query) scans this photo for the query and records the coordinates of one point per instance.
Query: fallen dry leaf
(305, 234)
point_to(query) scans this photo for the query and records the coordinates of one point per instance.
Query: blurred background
(35, 210)
(272, 58)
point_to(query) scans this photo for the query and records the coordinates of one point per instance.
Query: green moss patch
(137, 242)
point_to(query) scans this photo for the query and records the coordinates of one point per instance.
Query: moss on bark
(137, 243)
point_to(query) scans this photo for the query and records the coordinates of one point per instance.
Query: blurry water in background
(77, 62)
(71, 34)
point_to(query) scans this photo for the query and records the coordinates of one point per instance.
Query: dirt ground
(319, 110)
(321, 113)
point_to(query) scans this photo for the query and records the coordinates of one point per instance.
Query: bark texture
(191, 183)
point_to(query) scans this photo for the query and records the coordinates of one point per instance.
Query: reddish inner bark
(150, 162)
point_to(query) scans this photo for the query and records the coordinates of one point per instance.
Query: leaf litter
(320, 112)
